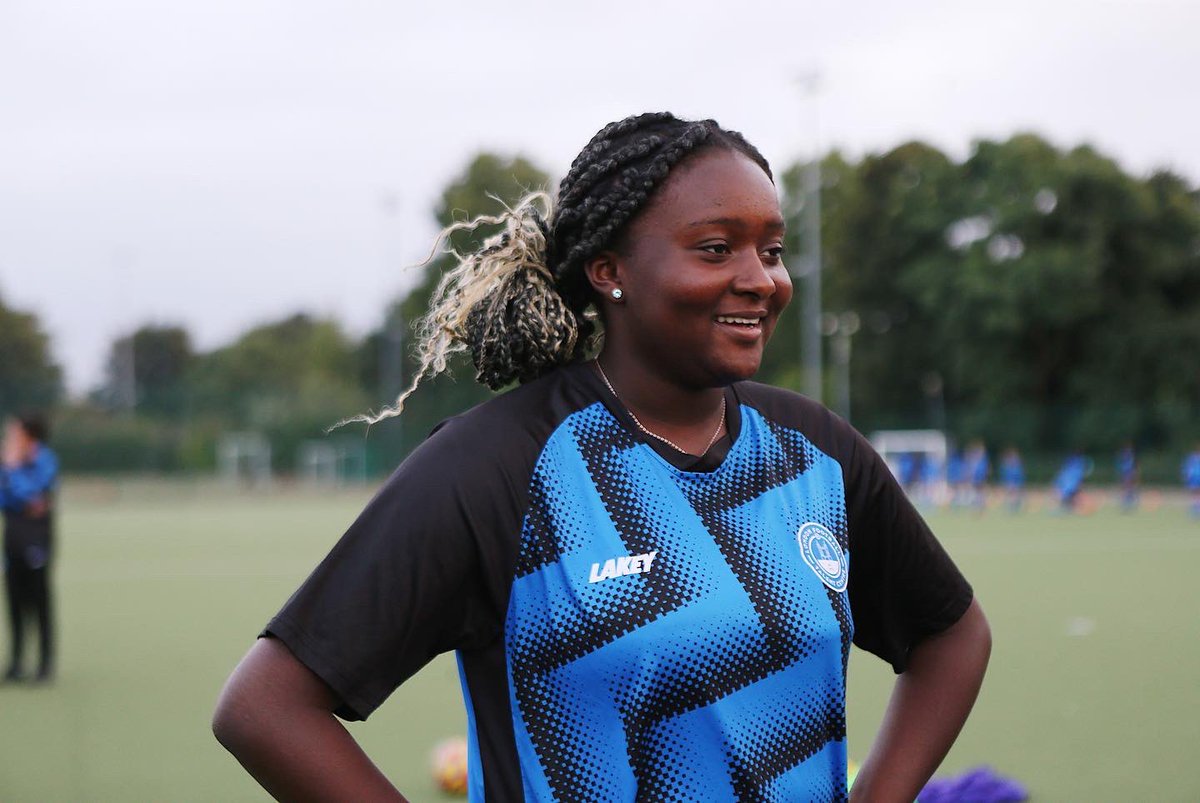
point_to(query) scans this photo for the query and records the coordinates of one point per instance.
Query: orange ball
(449, 764)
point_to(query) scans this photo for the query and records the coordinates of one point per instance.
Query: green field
(1093, 692)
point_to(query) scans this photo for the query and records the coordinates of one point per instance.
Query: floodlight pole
(840, 329)
(129, 380)
(125, 381)
(810, 272)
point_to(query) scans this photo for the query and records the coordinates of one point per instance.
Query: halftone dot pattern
(756, 530)
(716, 675)
(802, 782)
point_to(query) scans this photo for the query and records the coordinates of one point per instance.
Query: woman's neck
(688, 417)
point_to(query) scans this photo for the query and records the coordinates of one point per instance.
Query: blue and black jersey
(631, 623)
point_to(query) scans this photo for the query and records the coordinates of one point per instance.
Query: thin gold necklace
(654, 435)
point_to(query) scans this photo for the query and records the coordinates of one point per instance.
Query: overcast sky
(221, 164)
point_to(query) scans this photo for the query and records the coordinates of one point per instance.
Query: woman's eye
(774, 253)
(716, 248)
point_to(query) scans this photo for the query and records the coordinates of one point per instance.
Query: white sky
(221, 164)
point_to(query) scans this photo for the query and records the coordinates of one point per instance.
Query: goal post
(331, 463)
(917, 458)
(244, 458)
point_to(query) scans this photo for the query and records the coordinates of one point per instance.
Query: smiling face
(701, 274)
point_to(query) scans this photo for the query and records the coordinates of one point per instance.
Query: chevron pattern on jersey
(716, 674)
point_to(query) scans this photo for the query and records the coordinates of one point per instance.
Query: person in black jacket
(28, 474)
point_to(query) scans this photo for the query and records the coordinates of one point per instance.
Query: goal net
(244, 458)
(917, 458)
(330, 464)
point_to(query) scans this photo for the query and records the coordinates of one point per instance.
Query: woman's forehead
(716, 187)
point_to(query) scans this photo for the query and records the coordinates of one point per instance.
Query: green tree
(29, 377)
(880, 218)
(1072, 306)
(148, 371)
(291, 380)
(1035, 295)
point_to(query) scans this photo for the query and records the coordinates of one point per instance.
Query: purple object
(979, 785)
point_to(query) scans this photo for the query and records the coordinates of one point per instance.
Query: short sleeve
(414, 576)
(903, 586)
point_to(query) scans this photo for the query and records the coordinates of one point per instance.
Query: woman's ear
(603, 272)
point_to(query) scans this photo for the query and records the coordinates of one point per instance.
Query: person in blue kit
(1190, 472)
(956, 477)
(1012, 478)
(1068, 482)
(651, 568)
(28, 475)
(976, 468)
(906, 471)
(1128, 476)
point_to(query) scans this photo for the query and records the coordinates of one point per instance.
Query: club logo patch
(823, 555)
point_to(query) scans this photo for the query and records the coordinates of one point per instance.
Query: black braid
(526, 330)
(611, 181)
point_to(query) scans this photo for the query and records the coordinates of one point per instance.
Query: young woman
(651, 568)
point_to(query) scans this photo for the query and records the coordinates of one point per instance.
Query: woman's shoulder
(785, 406)
(522, 417)
(791, 410)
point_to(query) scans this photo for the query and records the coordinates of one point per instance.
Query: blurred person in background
(1069, 480)
(956, 477)
(1012, 477)
(641, 558)
(1191, 479)
(977, 469)
(1128, 476)
(28, 475)
(934, 489)
(906, 472)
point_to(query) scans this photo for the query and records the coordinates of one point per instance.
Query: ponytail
(501, 304)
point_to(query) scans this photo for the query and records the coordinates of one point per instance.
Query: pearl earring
(617, 293)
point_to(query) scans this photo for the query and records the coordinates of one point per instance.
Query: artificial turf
(1093, 692)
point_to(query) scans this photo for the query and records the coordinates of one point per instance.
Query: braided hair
(613, 179)
(520, 305)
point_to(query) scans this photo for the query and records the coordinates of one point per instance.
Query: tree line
(1026, 295)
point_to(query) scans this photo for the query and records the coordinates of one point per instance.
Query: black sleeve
(419, 572)
(903, 586)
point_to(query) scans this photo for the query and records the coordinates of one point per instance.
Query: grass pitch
(1093, 692)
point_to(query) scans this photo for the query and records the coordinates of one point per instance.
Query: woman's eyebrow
(776, 224)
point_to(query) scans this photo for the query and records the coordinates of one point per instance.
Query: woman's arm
(275, 716)
(25, 478)
(927, 709)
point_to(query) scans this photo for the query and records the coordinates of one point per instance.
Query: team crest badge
(824, 555)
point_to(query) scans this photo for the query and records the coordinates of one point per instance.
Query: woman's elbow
(970, 642)
(233, 721)
(244, 708)
(266, 697)
(985, 639)
(981, 631)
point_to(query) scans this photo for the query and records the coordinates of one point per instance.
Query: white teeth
(740, 321)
